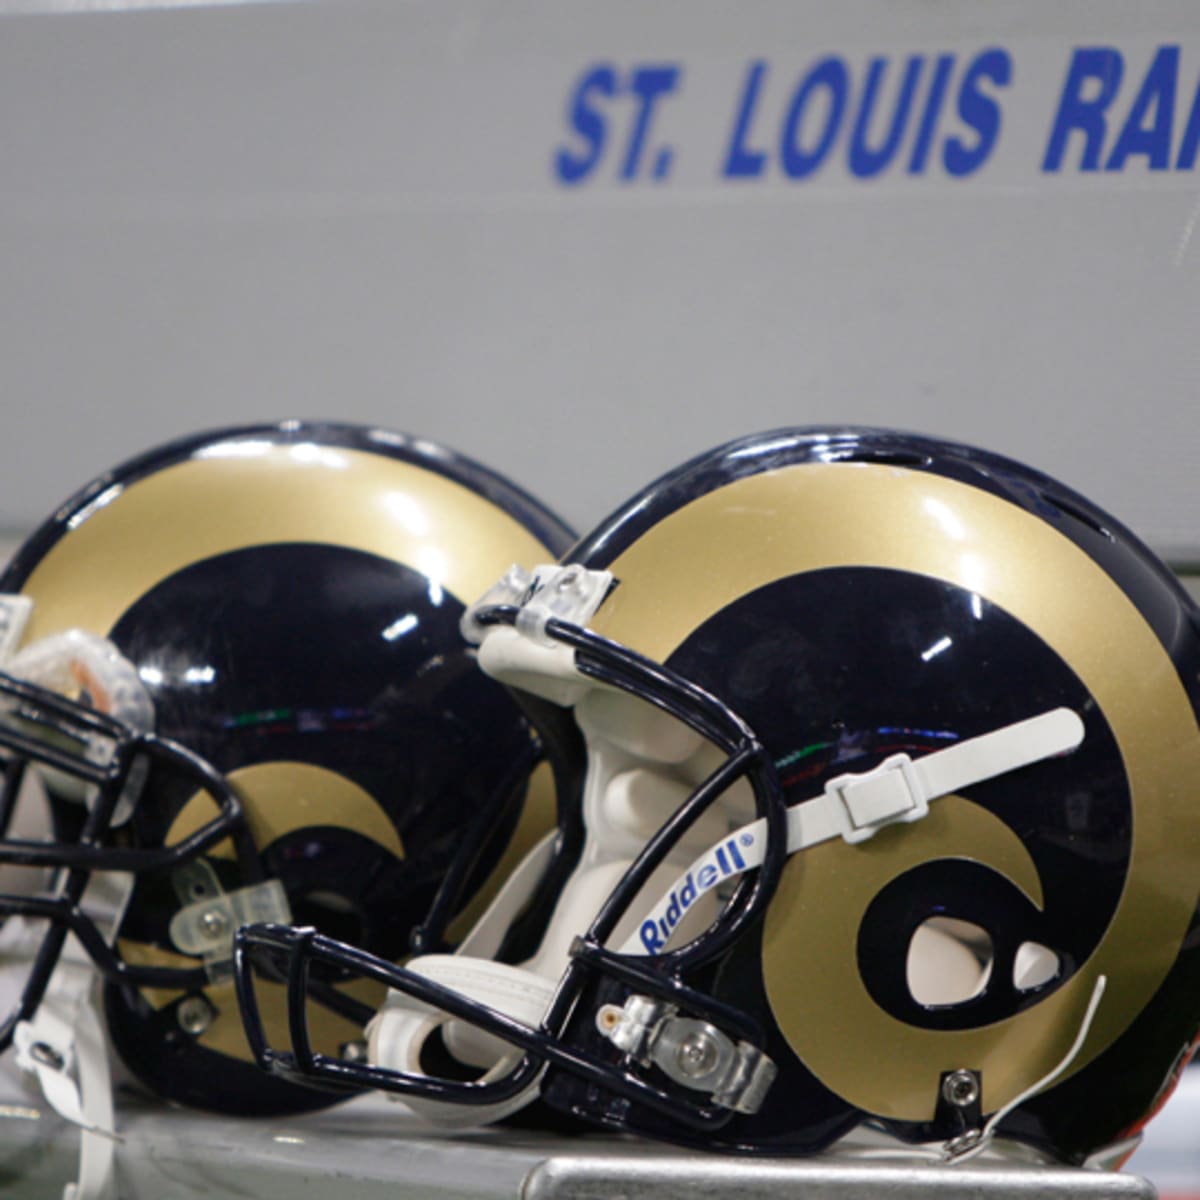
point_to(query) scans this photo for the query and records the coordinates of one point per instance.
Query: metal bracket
(511, 588)
(571, 593)
(690, 1052)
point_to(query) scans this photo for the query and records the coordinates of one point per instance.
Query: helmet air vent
(949, 962)
(1080, 514)
(878, 455)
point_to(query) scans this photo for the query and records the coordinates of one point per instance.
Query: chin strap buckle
(865, 802)
(736, 1075)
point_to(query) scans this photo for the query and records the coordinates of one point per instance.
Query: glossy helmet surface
(808, 629)
(319, 741)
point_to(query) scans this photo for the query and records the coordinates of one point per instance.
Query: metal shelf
(369, 1149)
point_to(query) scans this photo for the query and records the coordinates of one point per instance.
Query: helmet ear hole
(949, 962)
(1034, 966)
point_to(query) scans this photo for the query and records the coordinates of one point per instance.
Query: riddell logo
(726, 860)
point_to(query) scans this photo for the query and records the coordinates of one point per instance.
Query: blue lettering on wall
(828, 79)
(1155, 99)
(979, 111)
(866, 161)
(866, 116)
(1191, 137)
(742, 161)
(649, 85)
(587, 120)
(599, 103)
(1132, 116)
(1096, 71)
(881, 116)
(930, 114)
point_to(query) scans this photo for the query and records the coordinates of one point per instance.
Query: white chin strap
(397, 1033)
(856, 806)
(64, 1048)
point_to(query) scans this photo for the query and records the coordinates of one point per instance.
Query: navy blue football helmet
(878, 772)
(232, 672)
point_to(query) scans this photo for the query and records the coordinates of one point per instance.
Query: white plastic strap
(982, 1141)
(856, 806)
(64, 1047)
(397, 1033)
(488, 931)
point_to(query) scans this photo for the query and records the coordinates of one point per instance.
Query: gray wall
(212, 214)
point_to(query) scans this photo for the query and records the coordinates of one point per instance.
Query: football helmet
(882, 808)
(233, 673)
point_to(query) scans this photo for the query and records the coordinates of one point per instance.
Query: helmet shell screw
(214, 923)
(194, 1015)
(960, 1088)
(697, 1055)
